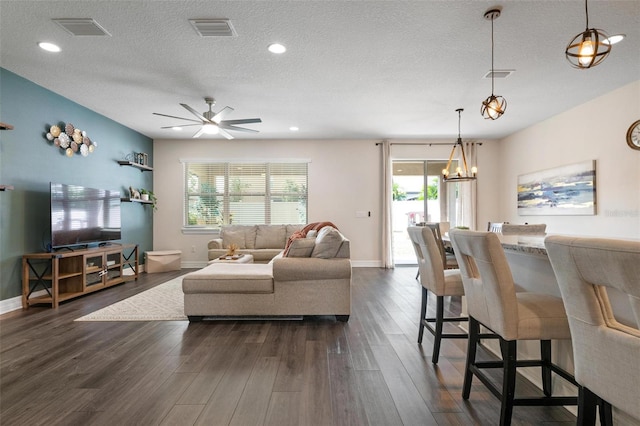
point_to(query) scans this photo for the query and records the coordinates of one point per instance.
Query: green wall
(28, 161)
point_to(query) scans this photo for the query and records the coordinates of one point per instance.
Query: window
(245, 193)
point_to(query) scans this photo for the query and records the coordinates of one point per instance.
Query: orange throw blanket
(316, 226)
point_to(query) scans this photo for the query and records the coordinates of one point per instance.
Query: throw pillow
(233, 237)
(301, 247)
(328, 243)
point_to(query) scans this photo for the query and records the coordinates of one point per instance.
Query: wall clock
(633, 135)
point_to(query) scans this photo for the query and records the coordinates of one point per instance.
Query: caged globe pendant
(494, 106)
(462, 173)
(589, 48)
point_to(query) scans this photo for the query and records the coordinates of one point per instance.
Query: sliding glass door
(419, 195)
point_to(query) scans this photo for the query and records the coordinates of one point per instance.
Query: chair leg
(606, 413)
(587, 402)
(474, 331)
(509, 357)
(545, 356)
(417, 274)
(423, 314)
(437, 338)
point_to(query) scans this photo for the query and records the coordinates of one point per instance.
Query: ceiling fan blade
(225, 133)
(181, 125)
(242, 121)
(173, 116)
(199, 132)
(238, 129)
(219, 116)
(194, 112)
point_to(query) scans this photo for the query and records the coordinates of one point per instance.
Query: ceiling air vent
(499, 74)
(213, 27)
(81, 27)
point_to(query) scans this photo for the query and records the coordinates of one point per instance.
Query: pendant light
(462, 173)
(494, 106)
(588, 48)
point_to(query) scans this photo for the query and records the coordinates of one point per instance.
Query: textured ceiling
(353, 69)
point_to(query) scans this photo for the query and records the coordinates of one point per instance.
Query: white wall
(595, 130)
(343, 177)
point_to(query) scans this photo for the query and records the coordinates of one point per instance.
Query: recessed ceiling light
(276, 48)
(294, 128)
(614, 39)
(49, 47)
(176, 128)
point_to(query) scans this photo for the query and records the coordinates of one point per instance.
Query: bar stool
(492, 302)
(606, 352)
(441, 282)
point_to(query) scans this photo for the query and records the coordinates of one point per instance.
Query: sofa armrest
(310, 269)
(215, 244)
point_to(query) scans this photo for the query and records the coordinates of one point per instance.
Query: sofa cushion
(248, 230)
(233, 237)
(271, 236)
(293, 228)
(328, 243)
(230, 278)
(302, 247)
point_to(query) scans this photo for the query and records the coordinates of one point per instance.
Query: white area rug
(163, 302)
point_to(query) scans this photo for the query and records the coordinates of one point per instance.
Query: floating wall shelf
(135, 200)
(142, 167)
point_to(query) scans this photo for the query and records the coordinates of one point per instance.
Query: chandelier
(461, 173)
(589, 48)
(494, 106)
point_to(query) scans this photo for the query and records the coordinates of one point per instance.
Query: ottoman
(225, 289)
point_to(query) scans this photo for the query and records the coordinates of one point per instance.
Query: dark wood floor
(369, 371)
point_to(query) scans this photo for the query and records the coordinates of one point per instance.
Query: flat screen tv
(83, 216)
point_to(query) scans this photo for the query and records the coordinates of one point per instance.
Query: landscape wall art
(565, 190)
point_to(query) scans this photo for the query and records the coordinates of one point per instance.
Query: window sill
(193, 230)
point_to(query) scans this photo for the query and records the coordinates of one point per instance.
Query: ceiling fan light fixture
(494, 106)
(210, 129)
(590, 47)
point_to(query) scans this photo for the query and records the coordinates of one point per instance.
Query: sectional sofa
(312, 277)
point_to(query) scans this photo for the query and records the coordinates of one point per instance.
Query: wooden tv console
(64, 275)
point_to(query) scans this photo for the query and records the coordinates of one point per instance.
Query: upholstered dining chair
(495, 226)
(492, 302)
(448, 259)
(435, 279)
(606, 352)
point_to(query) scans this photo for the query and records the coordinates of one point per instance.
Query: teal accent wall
(29, 162)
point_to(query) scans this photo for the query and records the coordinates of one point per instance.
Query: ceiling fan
(212, 123)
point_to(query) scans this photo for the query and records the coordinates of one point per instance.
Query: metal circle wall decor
(72, 140)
